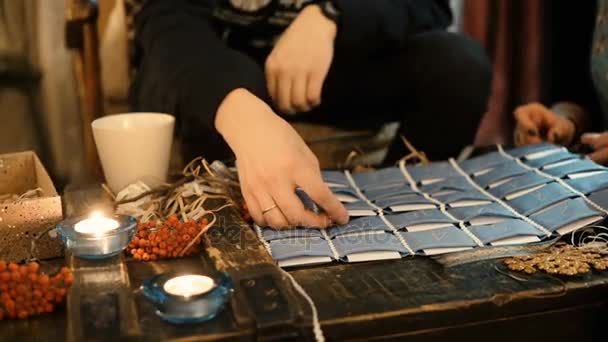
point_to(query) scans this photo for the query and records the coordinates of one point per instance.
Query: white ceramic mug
(134, 146)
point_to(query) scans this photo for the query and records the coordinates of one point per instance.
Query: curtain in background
(512, 33)
(38, 98)
(18, 76)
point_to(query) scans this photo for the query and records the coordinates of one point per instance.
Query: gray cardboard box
(24, 224)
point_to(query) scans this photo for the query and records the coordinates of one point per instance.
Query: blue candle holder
(188, 298)
(97, 243)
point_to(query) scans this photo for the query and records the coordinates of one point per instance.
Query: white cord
(316, 325)
(332, 247)
(354, 185)
(399, 237)
(414, 187)
(498, 200)
(557, 179)
(258, 231)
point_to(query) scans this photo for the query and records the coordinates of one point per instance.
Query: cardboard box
(25, 224)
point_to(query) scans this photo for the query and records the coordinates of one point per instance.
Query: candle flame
(189, 285)
(96, 214)
(96, 224)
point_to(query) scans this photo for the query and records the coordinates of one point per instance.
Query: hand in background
(599, 142)
(273, 160)
(298, 65)
(536, 123)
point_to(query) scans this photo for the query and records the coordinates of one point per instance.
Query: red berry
(44, 280)
(33, 267)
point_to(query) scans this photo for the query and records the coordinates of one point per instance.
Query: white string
(354, 185)
(316, 324)
(498, 200)
(399, 237)
(333, 249)
(397, 234)
(583, 239)
(442, 207)
(408, 176)
(258, 231)
(557, 179)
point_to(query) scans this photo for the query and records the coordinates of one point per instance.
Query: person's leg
(437, 86)
(186, 70)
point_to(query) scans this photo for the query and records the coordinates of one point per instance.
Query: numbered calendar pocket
(439, 241)
(520, 185)
(395, 191)
(360, 208)
(535, 151)
(346, 194)
(540, 199)
(567, 216)
(300, 251)
(509, 232)
(359, 225)
(484, 214)
(449, 185)
(587, 185)
(334, 179)
(464, 199)
(379, 178)
(600, 197)
(552, 158)
(426, 174)
(270, 234)
(421, 220)
(369, 247)
(577, 166)
(406, 203)
(484, 162)
(500, 175)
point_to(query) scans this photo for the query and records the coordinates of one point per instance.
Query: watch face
(250, 6)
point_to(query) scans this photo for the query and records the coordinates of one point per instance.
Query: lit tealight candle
(96, 224)
(189, 285)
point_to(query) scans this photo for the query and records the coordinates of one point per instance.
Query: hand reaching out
(599, 142)
(272, 161)
(298, 65)
(536, 123)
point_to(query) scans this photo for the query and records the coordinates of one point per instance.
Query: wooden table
(414, 298)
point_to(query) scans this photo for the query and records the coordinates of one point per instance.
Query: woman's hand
(536, 123)
(599, 142)
(298, 65)
(273, 160)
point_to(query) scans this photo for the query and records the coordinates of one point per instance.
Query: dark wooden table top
(413, 298)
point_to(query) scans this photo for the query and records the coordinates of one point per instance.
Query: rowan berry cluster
(168, 239)
(26, 291)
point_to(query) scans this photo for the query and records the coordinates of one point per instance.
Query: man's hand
(298, 65)
(599, 142)
(536, 123)
(273, 160)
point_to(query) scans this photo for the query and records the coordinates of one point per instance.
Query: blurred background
(54, 66)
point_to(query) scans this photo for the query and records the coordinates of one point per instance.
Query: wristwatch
(330, 10)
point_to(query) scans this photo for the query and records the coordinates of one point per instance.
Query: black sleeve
(184, 68)
(378, 24)
(567, 63)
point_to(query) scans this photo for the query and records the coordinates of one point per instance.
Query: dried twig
(10, 198)
(186, 197)
(414, 153)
